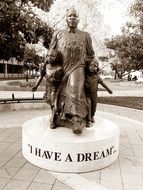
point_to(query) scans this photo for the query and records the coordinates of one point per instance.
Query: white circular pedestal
(63, 151)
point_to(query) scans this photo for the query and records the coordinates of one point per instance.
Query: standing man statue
(76, 49)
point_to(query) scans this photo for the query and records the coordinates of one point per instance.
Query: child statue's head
(94, 67)
(52, 56)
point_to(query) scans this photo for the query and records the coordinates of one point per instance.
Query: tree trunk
(119, 76)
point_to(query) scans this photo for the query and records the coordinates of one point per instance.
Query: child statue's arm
(34, 88)
(40, 78)
(105, 86)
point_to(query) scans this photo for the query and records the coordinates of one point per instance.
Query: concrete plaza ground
(125, 174)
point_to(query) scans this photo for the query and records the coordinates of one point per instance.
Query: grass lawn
(130, 102)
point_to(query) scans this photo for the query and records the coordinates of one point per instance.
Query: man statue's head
(72, 18)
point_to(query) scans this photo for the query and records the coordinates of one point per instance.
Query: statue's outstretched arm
(39, 80)
(105, 86)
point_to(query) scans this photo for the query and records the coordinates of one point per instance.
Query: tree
(128, 46)
(19, 25)
(128, 53)
(32, 61)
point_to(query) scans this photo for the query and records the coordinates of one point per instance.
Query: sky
(116, 13)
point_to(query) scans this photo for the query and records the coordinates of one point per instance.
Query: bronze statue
(76, 48)
(68, 94)
(91, 87)
(52, 70)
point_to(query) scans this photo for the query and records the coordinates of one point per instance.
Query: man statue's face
(72, 19)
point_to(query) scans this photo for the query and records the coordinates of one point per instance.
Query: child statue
(91, 87)
(52, 70)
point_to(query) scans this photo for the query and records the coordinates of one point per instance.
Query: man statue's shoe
(53, 126)
(77, 125)
(77, 130)
(92, 119)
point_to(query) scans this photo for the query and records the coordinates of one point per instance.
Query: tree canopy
(128, 47)
(19, 25)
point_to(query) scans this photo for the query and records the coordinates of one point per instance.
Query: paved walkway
(125, 174)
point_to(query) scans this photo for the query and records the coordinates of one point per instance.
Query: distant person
(135, 78)
(129, 77)
(91, 87)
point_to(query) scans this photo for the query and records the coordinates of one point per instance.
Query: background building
(11, 69)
